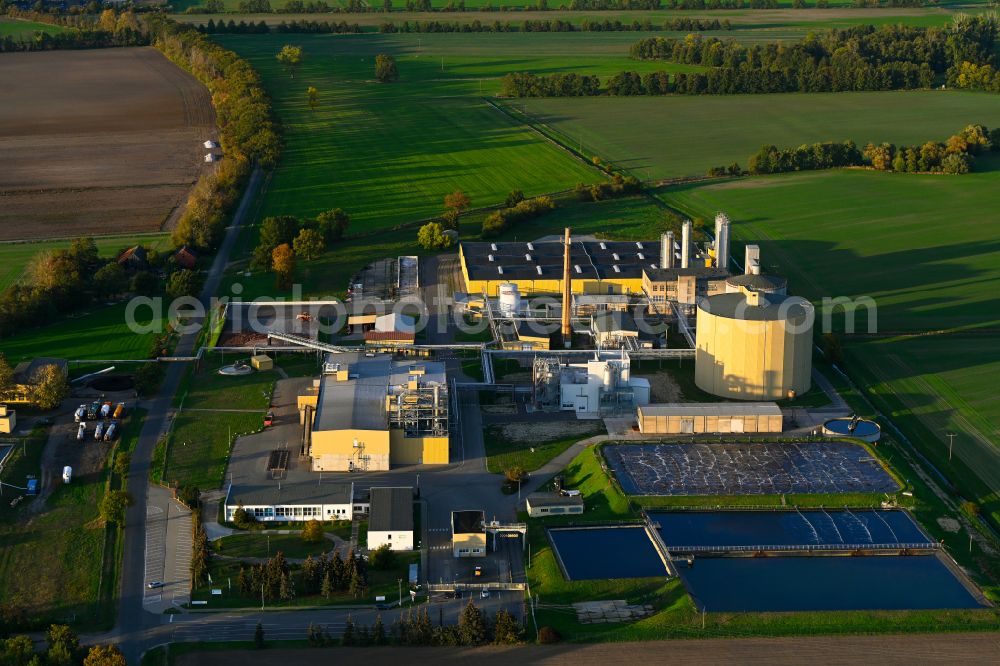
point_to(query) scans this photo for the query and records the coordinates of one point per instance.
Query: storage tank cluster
(754, 346)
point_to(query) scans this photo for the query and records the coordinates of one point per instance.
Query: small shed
(540, 505)
(692, 418)
(8, 420)
(261, 362)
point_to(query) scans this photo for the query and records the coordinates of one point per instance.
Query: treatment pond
(596, 553)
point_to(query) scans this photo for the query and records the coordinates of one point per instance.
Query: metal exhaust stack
(667, 250)
(722, 240)
(567, 328)
(686, 244)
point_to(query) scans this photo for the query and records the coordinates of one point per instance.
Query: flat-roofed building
(611, 328)
(683, 285)
(540, 505)
(468, 533)
(390, 518)
(697, 418)
(268, 501)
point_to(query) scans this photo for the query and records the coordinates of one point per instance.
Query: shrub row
(499, 221)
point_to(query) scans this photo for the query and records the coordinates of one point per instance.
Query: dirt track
(97, 142)
(833, 650)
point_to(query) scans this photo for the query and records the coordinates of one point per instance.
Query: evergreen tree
(472, 625)
(348, 637)
(378, 631)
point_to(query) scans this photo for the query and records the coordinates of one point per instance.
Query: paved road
(133, 620)
(833, 650)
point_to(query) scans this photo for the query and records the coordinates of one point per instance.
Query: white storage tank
(510, 299)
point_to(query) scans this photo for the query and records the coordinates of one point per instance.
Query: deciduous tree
(113, 506)
(49, 387)
(385, 68)
(104, 655)
(283, 262)
(309, 244)
(290, 58)
(312, 97)
(313, 532)
(432, 237)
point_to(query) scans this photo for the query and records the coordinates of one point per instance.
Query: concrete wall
(333, 450)
(751, 360)
(395, 540)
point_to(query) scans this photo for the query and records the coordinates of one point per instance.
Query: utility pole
(399, 584)
(951, 443)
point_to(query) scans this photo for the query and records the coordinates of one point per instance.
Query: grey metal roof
(588, 259)
(275, 493)
(468, 522)
(656, 274)
(778, 307)
(391, 510)
(610, 322)
(553, 499)
(711, 409)
(359, 402)
(759, 282)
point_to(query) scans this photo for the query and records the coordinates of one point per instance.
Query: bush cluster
(500, 220)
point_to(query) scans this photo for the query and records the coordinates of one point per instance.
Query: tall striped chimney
(686, 244)
(567, 328)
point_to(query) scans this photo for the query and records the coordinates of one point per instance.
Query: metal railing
(810, 548)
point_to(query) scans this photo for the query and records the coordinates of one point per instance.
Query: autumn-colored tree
(312, 95)
(432, 237)
(290, 58)
(104, 655)
(309, 244)
(457, 201)
(312, 532)
(283, 263)
(385, 68)
(49, 387)
(113, 506)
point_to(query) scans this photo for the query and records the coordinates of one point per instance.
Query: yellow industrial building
(754, 346)
(373, 412)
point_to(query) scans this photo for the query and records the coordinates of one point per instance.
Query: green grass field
(934, 385)
(25, 30)
(100, 332)
(16, 257)
(919, 245)
(256, 544)
(666, 137)
(388, 153)
(50, 563)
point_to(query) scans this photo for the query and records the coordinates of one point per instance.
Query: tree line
(415, 629)
(975, 77)
(857, 58)
(554, 26)
(62, 648)
(247, 132)
(955, 155)
(275, 580)
(285, 27)
(518, 210)
(109, 28)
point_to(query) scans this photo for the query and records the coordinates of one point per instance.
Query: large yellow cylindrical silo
(754, 346)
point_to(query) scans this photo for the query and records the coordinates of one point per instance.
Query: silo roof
(777, 307)
(757, 282)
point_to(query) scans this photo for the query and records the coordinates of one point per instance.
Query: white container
(67, 474)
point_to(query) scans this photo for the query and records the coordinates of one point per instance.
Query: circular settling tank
(113, 383)
(863, 429)
(236, 370)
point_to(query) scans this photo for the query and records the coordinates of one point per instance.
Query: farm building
(371, 412)
(270, 501)
(390, 519)
(754, 346)
(185, 258)
(468, 533)
(23, 379)
(692, 418)
(134, 258)
(552, 504)
(8, 420)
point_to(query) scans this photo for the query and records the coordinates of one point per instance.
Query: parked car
(80, 414)
(268, 418)
(484, 594)
(32, 487)
(81, 432)
(153, 584)
(67, 474)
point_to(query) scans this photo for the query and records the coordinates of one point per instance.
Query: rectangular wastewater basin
(601, 553)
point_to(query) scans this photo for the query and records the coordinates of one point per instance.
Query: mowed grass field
(25, 30)
(388, 153)
(924, 247)
(946, 385)
(15, 258)
(99, 333)
(678, 135)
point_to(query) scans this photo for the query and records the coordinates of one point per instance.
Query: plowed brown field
(97, 142)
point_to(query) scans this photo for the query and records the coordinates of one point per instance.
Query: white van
(67, 474)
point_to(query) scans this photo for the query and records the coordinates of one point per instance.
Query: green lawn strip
(380, 583)
(828, 501)
(25, 30)
(503, 453)
(210, 390)
(701, 133)
(257, 544)
(199, 445)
